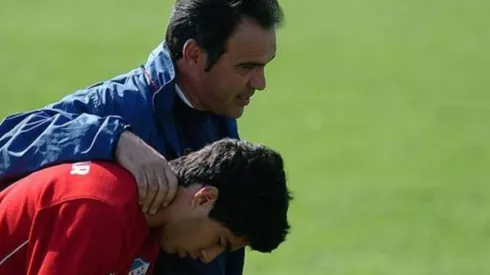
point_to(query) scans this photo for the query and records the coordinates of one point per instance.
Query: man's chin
(236, 113)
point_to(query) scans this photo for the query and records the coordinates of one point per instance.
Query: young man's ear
(206, 196)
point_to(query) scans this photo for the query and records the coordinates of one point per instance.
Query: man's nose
(258, 81)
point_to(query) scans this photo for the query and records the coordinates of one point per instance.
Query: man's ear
(192, 54)
(206, 196)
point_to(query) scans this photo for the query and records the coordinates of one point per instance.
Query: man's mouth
(244, 99)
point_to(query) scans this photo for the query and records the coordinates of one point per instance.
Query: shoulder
(102, 181)
(105, 180)
(127, 89)
(104, 184)
(127, 95)
(98, 171)
(160, 66)
(98, 184)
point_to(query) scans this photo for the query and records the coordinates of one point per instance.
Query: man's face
(239, 72)
(190, 232)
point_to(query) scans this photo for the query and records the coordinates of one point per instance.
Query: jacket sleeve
(36, 139)
(83, 126)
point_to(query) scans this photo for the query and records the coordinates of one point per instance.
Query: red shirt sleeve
(80, 236)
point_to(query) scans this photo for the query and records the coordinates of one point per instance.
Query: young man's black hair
(253, 196)
(211, 22)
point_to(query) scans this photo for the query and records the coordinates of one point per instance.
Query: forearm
(43, 138)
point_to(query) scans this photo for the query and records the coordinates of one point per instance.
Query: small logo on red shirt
(139, 267)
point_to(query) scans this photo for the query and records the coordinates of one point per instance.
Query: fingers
(148, 180)
(172, 185)
(160, 193)
(167, 184)
(142, 187)
(157, 183)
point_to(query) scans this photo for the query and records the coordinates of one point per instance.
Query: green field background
(381, 109)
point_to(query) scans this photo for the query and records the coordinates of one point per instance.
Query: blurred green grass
(380, 108)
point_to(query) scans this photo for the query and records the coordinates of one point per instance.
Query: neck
(174, 209)
(189, 89)
(158, 219)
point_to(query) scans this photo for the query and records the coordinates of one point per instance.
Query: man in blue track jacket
(189, 93)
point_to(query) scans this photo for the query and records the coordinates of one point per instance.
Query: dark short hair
(253, 198)
(211, 22)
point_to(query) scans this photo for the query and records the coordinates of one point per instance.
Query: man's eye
(247, 67)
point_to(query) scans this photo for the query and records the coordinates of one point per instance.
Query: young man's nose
(209, 254)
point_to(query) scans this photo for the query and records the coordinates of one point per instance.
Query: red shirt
(80, 218)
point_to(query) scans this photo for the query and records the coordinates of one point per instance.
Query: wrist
(122, 145)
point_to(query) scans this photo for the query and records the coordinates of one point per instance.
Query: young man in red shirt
(84, 218)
